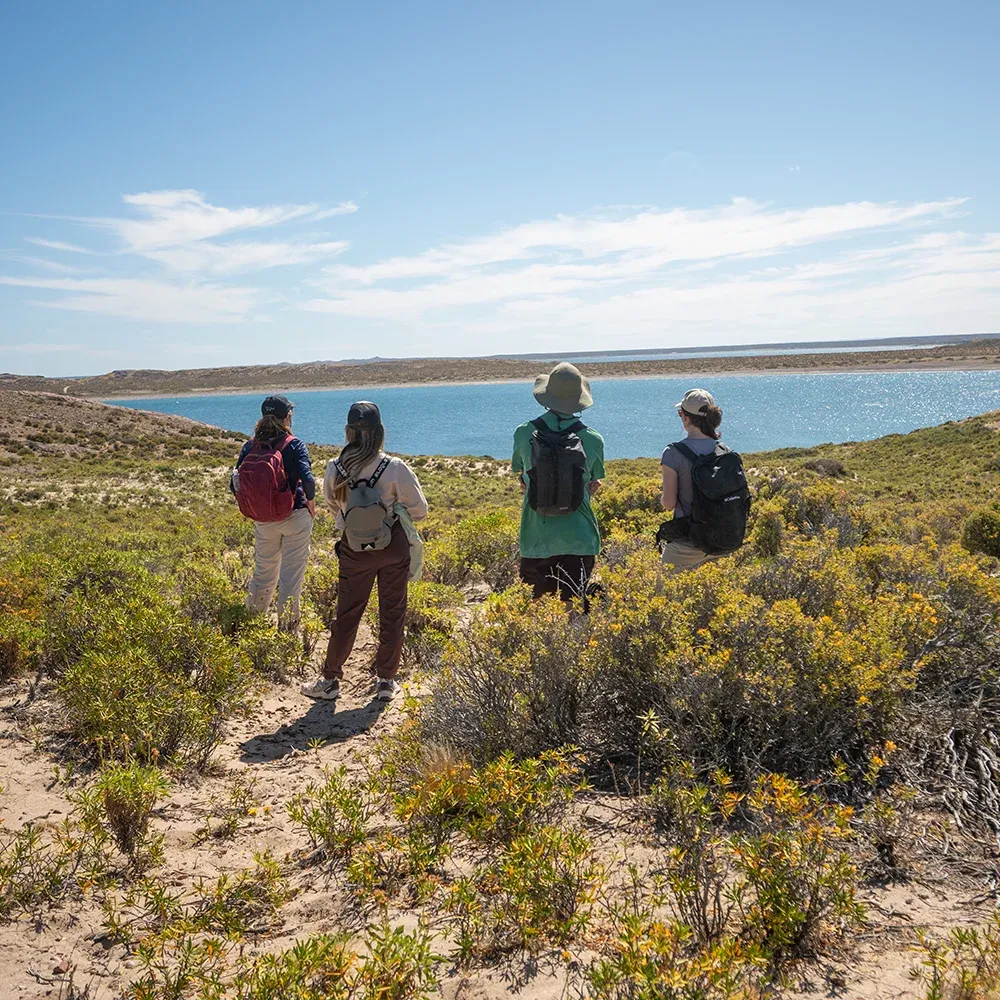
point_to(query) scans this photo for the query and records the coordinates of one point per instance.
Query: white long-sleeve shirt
(397, 484)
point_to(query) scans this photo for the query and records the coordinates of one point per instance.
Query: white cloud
(44, 263)
(628, 275)
(57, 245)
(189, 240)
(343, 208)
(147, 301)
(596, 255)
(175, 218)
(236, 258)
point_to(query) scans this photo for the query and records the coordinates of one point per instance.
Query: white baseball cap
(696, 401)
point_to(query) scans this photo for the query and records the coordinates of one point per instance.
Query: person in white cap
(700, 416)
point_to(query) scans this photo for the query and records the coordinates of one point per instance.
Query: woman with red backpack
(274, 486)
(376, 499)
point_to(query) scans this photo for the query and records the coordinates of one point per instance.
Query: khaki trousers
(281, 554)
(682, 555)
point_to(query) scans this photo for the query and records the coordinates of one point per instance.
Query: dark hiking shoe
(385, 689)
(327, 690)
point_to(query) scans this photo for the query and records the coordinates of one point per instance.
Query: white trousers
(281, 554)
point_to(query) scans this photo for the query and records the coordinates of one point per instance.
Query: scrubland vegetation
(723, 784)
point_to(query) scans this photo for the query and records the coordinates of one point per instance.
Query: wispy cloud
(57, 245)
(148, 301)
(237, 258)
(595, 256)
(177, 218)
(633, 275)
(191, 244)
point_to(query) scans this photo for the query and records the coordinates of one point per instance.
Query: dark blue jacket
(298, 469)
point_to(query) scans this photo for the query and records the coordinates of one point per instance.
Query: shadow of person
(321, 722)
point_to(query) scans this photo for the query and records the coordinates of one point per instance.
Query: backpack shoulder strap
(575, 428)
(722, 449)
(377, 475)
(686, 451)
(539, 424)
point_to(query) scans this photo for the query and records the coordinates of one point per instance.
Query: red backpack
(263, 493)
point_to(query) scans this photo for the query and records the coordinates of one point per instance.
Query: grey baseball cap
(696, 401)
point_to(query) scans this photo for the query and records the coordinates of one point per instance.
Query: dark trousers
(358, 573)
(566, 576)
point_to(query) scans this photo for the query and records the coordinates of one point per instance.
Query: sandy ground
(277, 745)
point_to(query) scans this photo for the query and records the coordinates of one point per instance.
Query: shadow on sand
(321, 722)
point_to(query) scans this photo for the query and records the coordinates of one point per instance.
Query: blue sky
(222, 183)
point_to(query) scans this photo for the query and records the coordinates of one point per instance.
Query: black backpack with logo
(721, 501)
(558, 473)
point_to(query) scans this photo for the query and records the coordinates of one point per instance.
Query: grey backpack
(367, 520)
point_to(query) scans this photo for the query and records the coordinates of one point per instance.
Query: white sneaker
(327, 690)
(385, 689)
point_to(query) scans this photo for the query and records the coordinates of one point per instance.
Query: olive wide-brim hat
(564, 389)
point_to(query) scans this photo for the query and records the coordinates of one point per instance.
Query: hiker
(704, 486)
(274, 486)
(376, 499)
(560, 464)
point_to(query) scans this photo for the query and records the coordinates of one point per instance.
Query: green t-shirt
(573, 534)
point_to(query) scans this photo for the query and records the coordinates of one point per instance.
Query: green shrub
(122, 798)
(21, 645)
(965, 965)
(172, 709)
(482, 547)
(493, 805)
(397, 965)
(321, 586)
(239, 802)
(33, 873)
(335, 814)
(515, 679)
(233, 905)
(981, 532)
(538, 892)
(269, 652)
(655, 960)
(768, 530)
(795, 867)
(209, 596)
(632, 505)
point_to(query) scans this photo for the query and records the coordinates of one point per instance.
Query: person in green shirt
(558, 552)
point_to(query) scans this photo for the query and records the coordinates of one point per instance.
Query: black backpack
(721, 502)
(557, 477)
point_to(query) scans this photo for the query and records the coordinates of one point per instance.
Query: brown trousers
(358, 573)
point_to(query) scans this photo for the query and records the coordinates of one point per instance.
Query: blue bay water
(636, 416)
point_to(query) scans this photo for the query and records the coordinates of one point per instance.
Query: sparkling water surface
(636, 416)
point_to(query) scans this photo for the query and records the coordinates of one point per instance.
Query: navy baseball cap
(278, 406)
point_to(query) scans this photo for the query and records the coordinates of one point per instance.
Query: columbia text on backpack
(721, 500)
(367, 520)
(557, 477)
(262, 492)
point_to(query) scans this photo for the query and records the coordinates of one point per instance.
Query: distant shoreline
(125, 384)
(943, 365)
